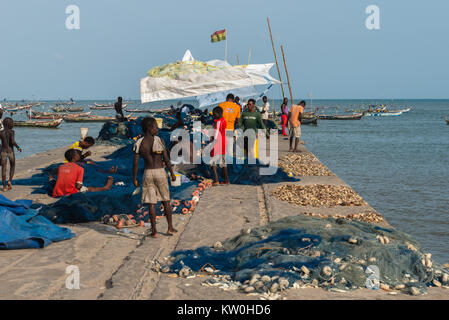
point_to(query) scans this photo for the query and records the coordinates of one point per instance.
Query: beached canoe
(55, 115)
(38, 124)
(67, 109)
(357, 116)
(92, 118)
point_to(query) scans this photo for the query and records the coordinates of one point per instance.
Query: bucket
(177, 182)
(83, 132)
(159, 122)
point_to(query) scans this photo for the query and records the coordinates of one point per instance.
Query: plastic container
(83, 132)
(177, 182)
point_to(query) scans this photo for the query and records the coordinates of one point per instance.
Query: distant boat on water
(447, 121)
(388, 113)
(356, 116)
(38, 124)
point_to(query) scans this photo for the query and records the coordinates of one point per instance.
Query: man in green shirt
(251, 120)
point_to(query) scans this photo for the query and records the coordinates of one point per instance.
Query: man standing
(265, 110)
(119, 110)
(155, 185)
(294, 124)
(231, 114)
(251, 120)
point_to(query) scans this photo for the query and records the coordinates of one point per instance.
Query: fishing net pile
(304, 164)
(319, 195)
(367, 216)
(302, 251)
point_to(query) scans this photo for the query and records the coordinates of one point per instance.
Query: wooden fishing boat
(69, 103)
(138, 111)
(104, 106)
(67, 109)
(55, 115)
(38, 124)
(93, 118)
(18, 108)
(356, 116)
(312, 120)
(388, 113)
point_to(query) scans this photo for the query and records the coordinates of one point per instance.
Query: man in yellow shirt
(294, 124)
(231, 112)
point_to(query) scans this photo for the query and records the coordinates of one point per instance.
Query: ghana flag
(218, 36)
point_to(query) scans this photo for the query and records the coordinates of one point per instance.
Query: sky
(328, 48)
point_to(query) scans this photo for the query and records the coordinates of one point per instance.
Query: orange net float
(187, 203)
(195, 193)
(130, 216)
(185, 211)
(120, 224)
(115, 217)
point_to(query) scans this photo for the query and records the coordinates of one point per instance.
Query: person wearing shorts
(294, 124)
(154, 183)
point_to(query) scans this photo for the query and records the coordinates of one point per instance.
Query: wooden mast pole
(288, 77)
(238, 62)
(276, 58)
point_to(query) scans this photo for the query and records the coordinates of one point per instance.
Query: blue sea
(400, 165)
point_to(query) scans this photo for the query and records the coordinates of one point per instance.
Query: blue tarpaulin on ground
(23, 228)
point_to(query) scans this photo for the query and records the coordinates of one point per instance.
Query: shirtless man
(7, 151)
(155, 185)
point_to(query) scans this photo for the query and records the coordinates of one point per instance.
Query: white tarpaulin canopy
(191, 78)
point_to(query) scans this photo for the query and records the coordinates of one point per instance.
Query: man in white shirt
(265, 110)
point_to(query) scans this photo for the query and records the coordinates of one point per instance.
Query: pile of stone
(319, 195)
(304, 164)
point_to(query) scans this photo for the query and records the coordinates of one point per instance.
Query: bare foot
(5, 189)
(153, 235)
(290, 150)
(9, 185)
(172, 231)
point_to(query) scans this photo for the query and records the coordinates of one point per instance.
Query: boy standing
(7, 151)
(155, 185)
(218, 153)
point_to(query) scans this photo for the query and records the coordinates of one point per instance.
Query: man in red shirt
(218, 153)
(70, 177)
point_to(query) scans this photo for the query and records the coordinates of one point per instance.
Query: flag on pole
(218, 36)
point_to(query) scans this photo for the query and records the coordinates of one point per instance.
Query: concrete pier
(118, 266)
